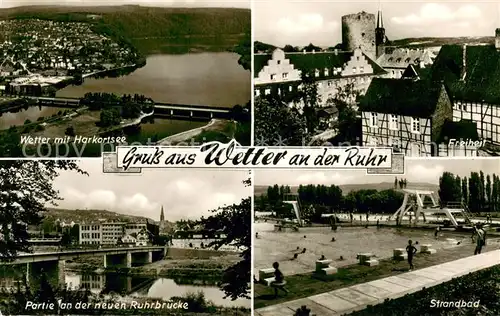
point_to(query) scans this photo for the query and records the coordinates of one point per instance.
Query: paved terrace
(358, 297)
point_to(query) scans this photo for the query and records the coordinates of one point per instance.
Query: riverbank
(192, 137)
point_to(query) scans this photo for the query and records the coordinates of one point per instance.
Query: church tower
(380, 38)
(162, 215)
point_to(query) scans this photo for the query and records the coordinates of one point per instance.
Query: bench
(266, 276)
(399, 254)
(324, 267)
(367, 259)
(427, 248)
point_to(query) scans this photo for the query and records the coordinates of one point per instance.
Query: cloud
(434, 13)
(184, 194)
(421, 173)
(303, 24)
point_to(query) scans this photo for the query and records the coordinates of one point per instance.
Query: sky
(149, 3)
(416, 171)
(281, 22)
(184, 194)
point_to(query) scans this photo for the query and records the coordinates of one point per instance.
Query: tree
(70, 131)
(449, 190)
(290, 49)
(488, 192)
(278, 124)
(244, 49)
(309, 97)
(235, 221)
(26, 187)
(465, 190)
(109, 117)
(312, 48)
(348, 125)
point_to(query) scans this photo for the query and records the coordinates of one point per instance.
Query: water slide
(296, 209)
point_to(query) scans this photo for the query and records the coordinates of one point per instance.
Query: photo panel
(78, 241)
(341, 242)
(417, 76)
(81, 79)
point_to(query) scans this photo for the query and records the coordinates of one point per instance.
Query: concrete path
(358, 297)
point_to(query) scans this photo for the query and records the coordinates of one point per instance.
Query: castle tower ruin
(358, 31)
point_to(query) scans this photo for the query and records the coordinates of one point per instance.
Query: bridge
(168, 110)
(31, 265)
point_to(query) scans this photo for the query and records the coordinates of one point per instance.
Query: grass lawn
(304, 285)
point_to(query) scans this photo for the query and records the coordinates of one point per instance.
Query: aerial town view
(79, 80)
(347, 243)
(419, 77)
(119, 246)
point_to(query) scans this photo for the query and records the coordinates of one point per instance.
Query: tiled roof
(402, 57)
(462, 130)
(482, 72)
(417, 98)
(312, 61)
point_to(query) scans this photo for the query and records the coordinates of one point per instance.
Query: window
(273, 77)
(361, 69)
(316, 73)
(285, 75)
(278, 62)
(267, 92)
(357, 58)
(373, 119)
(354, 70)
(415, 125)
(257, 92)
(393, 123)
(326, 72)
(330, 83)
(290, 88)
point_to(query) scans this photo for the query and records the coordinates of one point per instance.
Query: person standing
(411, 251)
(480, 239)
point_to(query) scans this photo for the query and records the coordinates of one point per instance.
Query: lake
(214, 79)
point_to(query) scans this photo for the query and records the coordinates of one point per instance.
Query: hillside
(346, 188)
(423, 42)
(152, 30)
(79, 216)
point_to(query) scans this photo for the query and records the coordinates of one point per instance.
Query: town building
(112, 232)
(199, 239)
(413, 116)
(395, 60)
(128, 240)
(280, 73)
(134, 228)
(90, 234)
(142, 238)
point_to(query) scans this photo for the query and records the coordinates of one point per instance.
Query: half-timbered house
(472, 74)
(412, 116)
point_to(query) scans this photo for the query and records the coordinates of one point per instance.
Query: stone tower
(162, 215)
(380, 38)
(358, 31)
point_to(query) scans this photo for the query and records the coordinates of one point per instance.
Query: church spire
(162, 215)
(380, 21)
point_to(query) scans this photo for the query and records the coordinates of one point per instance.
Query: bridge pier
(141, 258)
(53, 271)
(119, 260)
(190, 113)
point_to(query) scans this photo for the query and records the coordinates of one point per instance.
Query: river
(214, 79)
(149, 287)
